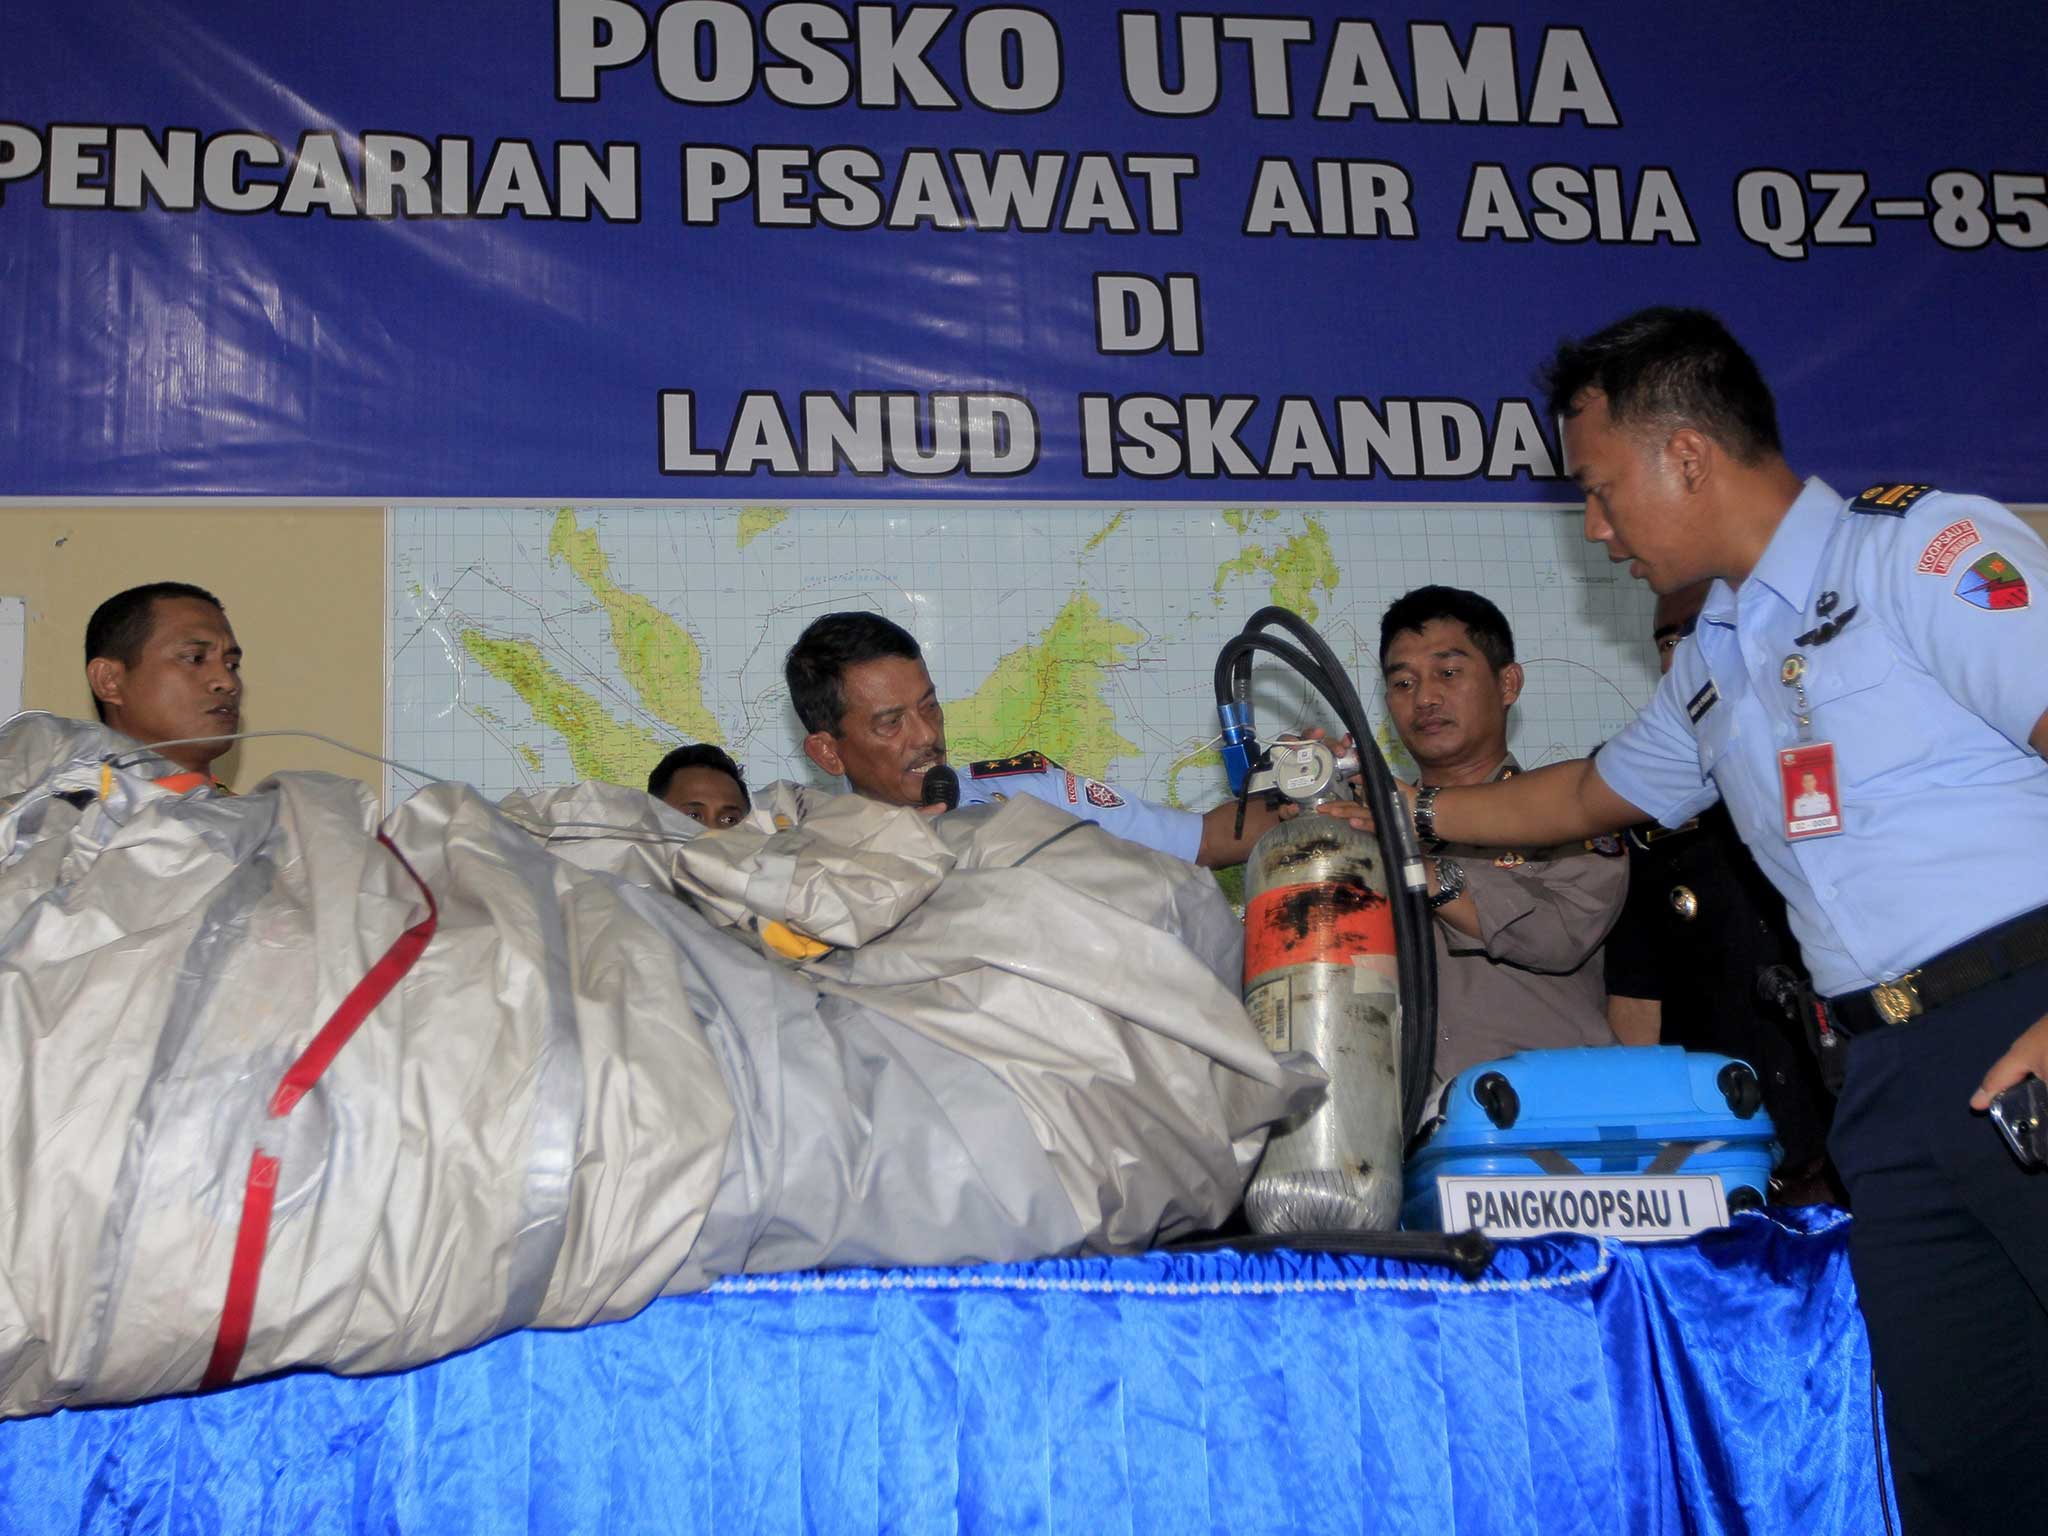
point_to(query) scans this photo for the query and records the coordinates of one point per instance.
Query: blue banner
(605, 249)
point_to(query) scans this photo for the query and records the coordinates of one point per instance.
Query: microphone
(941, 786)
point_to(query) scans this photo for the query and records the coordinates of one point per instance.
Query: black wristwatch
(1450, 883)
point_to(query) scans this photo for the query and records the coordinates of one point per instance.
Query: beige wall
(303, 587)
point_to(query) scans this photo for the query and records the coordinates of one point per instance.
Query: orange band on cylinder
(1325, 923)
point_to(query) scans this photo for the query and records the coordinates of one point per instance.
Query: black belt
(1993, 955)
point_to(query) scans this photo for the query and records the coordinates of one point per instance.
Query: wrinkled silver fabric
(598, 1083)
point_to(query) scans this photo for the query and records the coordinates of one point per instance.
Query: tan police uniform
(1533, 978)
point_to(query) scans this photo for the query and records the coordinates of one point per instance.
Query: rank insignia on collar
(1994, 583)
(1607, 845)
(1006, 767)
(1509, 860)
(1890, 500)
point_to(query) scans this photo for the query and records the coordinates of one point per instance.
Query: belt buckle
(1897, 1001)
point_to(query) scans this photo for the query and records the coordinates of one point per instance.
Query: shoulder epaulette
(1650, 832)
(1005, 767)
(1890, 500)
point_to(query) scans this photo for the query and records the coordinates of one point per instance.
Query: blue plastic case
(1602, 1109)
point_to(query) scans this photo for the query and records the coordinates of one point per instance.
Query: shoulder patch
(1890, 500)
(1939, 557)
(1995, 584)
(1607, 845)
(1007, 767)
(1102, 795)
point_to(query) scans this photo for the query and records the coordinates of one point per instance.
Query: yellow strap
(790, 944)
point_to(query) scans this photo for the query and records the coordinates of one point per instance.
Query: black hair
(121, 626)
(822, 653)
(698, 755)
(1487, 625)
(1667, 368)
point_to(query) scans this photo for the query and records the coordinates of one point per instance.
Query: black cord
(1468, 1254)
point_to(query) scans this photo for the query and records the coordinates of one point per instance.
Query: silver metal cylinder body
(1319, 976)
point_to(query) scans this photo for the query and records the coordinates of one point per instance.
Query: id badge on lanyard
(1812, 800)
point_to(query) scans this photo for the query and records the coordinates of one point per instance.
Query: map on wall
(545, 645)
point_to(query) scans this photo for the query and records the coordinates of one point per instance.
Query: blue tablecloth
(1721, 1384)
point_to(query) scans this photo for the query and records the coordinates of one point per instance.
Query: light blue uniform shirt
(1156, 826)
(1929, 688)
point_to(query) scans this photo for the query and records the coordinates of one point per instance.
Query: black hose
(1468, 1254)
(1414, 940)
(1234, 663)
(1414, 946)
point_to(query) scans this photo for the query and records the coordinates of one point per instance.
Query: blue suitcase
(1597, 1110)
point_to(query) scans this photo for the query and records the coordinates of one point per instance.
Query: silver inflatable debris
(619, 1066)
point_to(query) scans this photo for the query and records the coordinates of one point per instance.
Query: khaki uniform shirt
(1533, 979)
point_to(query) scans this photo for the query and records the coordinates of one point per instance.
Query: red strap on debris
(362, 999)
(253, 1235)
(250, 1238)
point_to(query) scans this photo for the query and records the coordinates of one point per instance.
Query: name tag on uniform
(1641, 1206)
(1813, 807)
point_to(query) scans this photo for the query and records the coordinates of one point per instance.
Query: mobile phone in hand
(2021, 1115)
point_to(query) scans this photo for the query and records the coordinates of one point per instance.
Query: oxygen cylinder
(1319, 976)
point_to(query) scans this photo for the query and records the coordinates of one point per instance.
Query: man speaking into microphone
(872, 716)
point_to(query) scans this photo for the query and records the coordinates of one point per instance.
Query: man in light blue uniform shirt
(1927, 699)
(1892, 648)
(1162, 827)
(860, 687)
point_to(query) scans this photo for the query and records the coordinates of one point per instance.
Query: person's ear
(1510, 683)
(822, 748)
(1692, 454)
(104, 675)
